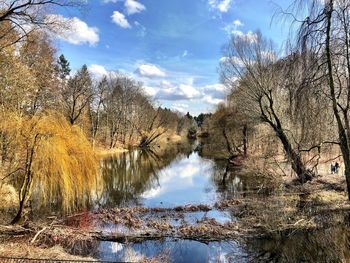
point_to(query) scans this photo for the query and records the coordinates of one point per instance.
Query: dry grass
(328, 197)
(19, 250)
(103, 152)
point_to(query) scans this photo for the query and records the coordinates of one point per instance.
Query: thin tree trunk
(245, 140)
(344, 144)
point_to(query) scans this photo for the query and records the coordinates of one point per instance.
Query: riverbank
(164, 141)
(146, 206)
(285, 209)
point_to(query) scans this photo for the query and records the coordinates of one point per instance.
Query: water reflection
(177, 251)
(321, 245)
(165, 179)
(179, 176)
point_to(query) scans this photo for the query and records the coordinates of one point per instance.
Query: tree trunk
(298, 166)
(245, 140)
(228, 144)
(344, 141)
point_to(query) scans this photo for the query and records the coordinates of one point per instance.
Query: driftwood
(14, 230)
(37, 234)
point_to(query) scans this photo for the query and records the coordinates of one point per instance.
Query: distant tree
(201, 118)
(63, 68)
(77, 94)
(188, 115)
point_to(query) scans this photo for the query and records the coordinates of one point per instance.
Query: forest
(90, 152)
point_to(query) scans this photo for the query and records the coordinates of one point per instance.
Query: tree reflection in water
(320, 245)
(128, 175)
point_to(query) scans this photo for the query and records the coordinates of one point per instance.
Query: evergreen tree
(63, 68)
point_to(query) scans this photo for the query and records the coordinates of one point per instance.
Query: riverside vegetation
(260, 162)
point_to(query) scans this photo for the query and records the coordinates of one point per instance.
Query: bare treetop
(25, 16)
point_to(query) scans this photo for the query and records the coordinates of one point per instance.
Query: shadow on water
(321, 245)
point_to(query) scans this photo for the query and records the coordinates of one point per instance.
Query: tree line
(53, 119)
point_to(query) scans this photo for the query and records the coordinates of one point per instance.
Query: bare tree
(26, 16)
(77, 94)
(252, 68)
(325, 32)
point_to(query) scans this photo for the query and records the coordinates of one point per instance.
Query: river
(179, 176)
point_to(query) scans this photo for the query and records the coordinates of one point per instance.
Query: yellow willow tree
(54, 155)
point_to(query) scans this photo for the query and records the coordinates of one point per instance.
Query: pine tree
(63, 68)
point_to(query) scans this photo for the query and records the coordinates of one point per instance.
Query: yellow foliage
(64, 165)
(16, 81)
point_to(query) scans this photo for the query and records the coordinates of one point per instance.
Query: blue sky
(172, 46)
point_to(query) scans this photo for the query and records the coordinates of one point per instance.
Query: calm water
(177, 177)
(182, 176)
(138, 178)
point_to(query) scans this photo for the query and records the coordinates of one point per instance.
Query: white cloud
(98, 70)
(185, 53)
(150, 91)
(221, 5)
(180, 107)
(150, 71)
(119, 19)
(77, 32)
(133, 7)
(168, 91)
(233, 26)
(249, 36)
(212, 101)
(189, 91)
(238, 23)
(234, 60)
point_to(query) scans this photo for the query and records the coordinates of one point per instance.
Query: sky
(173, 47)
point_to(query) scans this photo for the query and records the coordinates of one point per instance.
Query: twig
(37, 234)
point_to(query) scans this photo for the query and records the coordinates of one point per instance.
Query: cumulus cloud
(212, 101)
(233, 26)
(217, 91)
(221, 5)
(184, 91)
(150, 91)
(150, 71)
(119, 19)
(180, 107)
(133, 7)
(98, 70)
(77, 32)
(238, 23)
(249, 36)
(233, 60)
(169, 91)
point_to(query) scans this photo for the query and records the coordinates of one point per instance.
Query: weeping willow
(52, 154)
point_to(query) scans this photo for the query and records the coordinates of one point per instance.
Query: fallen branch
(37, 234)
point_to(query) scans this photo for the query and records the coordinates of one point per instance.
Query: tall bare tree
(325, 32)
(77, 94)
(252, 68)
